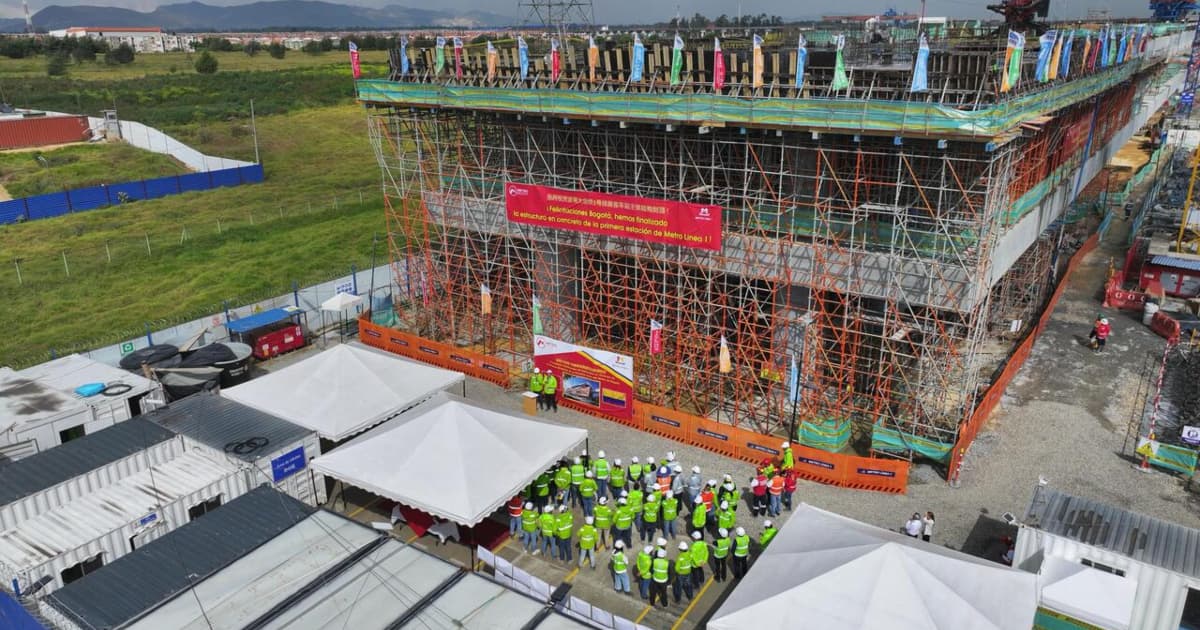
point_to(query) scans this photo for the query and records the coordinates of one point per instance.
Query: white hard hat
(1104, 321)
(583, 452)
(682, 546)
(741, 531)
(635, 459)
(617, 461)
(724, 505)
(589, 520)
(786, 445)
(588, 474)
(622, 500)
(648, 549)
(528, 505)
(537, 371)
(662, 553)
(728, 477)
(562, 508)
(661, 542)
(577, 460)
(549, 371)
(657, 487)
(678, 468)
(696, 469)
(670, 456)
(696, 534)
(766, 523)
(699, 499)
(712, 482)
(603, 500)
(723, 532)
(620, 544)
(548, 509)
(650, 460)
(600, 454)
(624, 494)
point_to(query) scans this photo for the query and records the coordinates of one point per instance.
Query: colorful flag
(493, 58)
(1112, 48)
(756, 76)
(840, 80)
(920, 78)
(439, 56)
(1145, 39)
(1045, 49)
(555, 61)
(656, 344)
(523, 54)
(1104, 47)
(536, 308)
(718, 66)
(1012, 61)
(1123, 46)
(593, 58)
(1136, 44)
(1086, 57)
(458, 49)
(1065, 63)
(485, 300)
(639, 59)
(355, 68)
(677, 61)
(1055, 57)
(801, 60)
(794, 382)
(404, 55)
(725, 365)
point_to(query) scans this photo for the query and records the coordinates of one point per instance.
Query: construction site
(878, 252)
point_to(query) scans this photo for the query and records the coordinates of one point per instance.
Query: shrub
(206, 63)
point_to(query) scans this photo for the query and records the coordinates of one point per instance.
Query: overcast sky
(627, 11)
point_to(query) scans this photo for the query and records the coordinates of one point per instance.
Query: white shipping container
(108, 524)
(72, 489)
(298, 482)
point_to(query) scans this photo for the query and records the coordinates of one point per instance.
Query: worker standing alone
(549, 390)
(788, 461)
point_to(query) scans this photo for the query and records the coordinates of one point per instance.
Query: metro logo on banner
(594, 378)
(652, 220)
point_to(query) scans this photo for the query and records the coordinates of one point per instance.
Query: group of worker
(545, 385)
(650, 497)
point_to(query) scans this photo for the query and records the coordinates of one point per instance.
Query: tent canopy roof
(344, 390)
(1099, 598)
(450, 458)
(847, 575)
(341, 302)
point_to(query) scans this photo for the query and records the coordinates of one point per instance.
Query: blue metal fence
(81, 199)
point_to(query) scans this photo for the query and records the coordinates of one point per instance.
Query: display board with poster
(597, 379)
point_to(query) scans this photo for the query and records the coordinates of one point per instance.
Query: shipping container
(66, 543)
(56, 477)
(40, 409)
(19, 132)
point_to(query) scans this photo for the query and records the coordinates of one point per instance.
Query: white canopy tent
(451, 459)
(341, 302)
(839, 574)
(344, 390)
(1099, 598)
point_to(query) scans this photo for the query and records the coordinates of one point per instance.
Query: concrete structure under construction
(896, 243)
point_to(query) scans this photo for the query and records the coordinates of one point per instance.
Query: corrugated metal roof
(1178, 263)
(1143, 538)
(258, 320)
(154, 573)
(49, 468)
(46, 536)
(219, 422)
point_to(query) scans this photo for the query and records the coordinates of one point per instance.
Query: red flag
(718, 68)
(554, 61)
(458, 49)
(355, 68)
(656, 345)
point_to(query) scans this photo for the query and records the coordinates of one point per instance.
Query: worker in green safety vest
(562, 482)
(541, 490)
(741, 553)
(788, 462)
(600, 470)
(529, 527)
(726, 517)
(670, 512)
(644, 559)
(549, 389)
(587, 542)
(564, 527)
(587, 492)
(634, 499)
(650, 512)
(720, 553)
(604, 517)
(549, 525)
(728, 493)
(635, 471)
(577, 475)
(767, 534)
(660, 572)
(537, 383)
(699, 515)
(616, 478)
(699, 551)
(622, 522)
(683, 573)
(620, 569)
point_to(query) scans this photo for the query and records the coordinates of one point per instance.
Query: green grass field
(27, 173)
(231, 244)
(148, 64)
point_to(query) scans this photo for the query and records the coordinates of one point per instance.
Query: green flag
(439, 56)
(840, 80)
(677, 61)
(537, 316)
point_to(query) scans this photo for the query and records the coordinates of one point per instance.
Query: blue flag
(1124, 44)
(920, 79)
(523, 53)
(1104, 47)
(1065, 63)
(794, 382)
(801, 61)
(639, 59)
(404, 55)
(1044, 51)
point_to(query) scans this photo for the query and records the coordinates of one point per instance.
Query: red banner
(597, 379)
(656, 346)
(639, 218)
(355, 65)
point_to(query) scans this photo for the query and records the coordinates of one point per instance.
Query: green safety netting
(830, 434)
(893, 441)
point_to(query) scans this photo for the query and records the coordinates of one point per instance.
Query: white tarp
(344, 390)
(341, 302)
(847, 575)
(451, 459)
(1095, 597)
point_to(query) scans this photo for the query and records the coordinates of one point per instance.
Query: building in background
(148, 39)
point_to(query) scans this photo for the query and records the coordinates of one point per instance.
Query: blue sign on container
(288, 464)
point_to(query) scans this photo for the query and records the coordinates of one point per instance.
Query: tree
(120, 55)
(251, 47)
(699, 21)
(326, 44)
(722, 21)
(56, 65)
(312, 47)
(276, 50)
(206, 63)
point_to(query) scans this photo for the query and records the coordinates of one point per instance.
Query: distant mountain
(12, 25)
(197, 16)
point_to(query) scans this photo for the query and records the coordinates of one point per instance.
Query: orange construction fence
(443, 355)
(990, 400)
